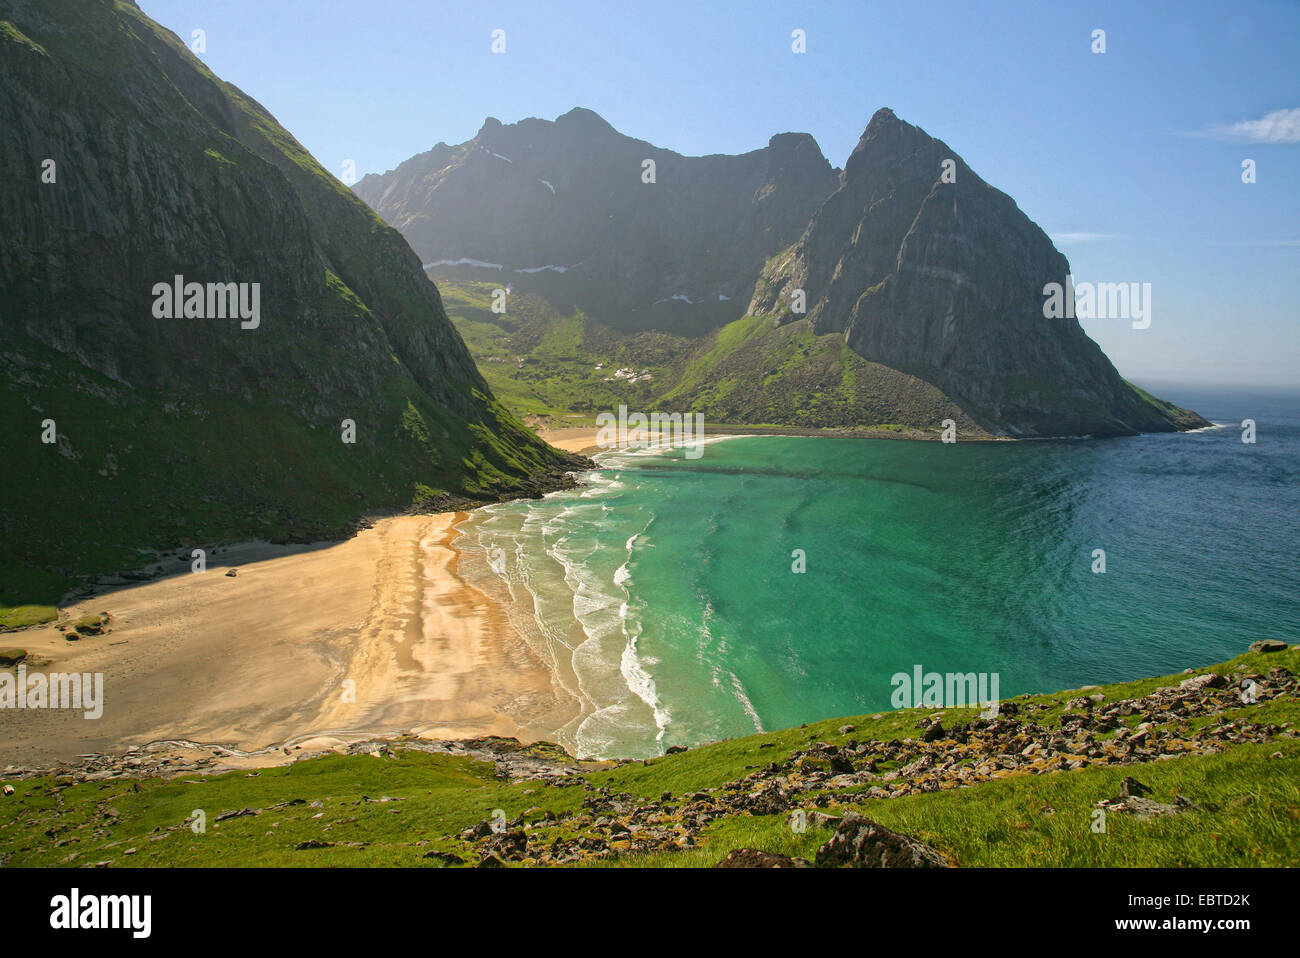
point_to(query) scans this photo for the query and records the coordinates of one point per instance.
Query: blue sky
(1131, 159)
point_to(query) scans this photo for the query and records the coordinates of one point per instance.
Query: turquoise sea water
(664, 592)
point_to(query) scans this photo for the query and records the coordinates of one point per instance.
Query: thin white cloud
(1280, 126)
(1079, 237)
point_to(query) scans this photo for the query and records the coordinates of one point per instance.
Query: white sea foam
(643, 686)
(591, 620)
(738, 689)
(595, 736)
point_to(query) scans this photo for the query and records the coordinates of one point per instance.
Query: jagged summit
(882, 117)
(581, 118)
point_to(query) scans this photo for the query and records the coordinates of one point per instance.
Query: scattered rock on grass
(861, 843)
(755, 858)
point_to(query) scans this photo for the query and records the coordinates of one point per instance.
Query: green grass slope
(750, 372)
(411, 808)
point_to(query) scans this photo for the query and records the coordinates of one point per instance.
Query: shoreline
(582, 439)
(307, 647)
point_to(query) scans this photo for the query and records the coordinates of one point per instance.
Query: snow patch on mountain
(498, 155)
(464, 261)
(542, 269)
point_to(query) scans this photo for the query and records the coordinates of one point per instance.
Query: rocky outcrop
(861, 843)
(942, 277)
(511, 759)
(982, 750)
(562, 209)
(1268, 645)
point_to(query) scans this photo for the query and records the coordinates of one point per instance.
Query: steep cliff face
(127, 164)
(563, 209)
(942, 278)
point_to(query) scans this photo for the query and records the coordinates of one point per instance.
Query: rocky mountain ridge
(907, 257)
(574, 211)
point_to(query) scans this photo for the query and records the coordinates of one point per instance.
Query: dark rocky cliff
(944, 281)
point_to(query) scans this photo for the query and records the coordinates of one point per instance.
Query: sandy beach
(308, 645)
(583, 439)
(580, 439)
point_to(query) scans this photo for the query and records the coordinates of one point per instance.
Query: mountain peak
(583, 119)
(886, 140)
(885, 122)
(937, 280)
(793, 141)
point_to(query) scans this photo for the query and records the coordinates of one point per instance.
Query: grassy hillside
(1236, 766)
(180, 473)
(541, 363)
(755, 371)
(176, 431)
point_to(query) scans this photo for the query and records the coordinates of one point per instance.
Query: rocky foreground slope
(328, 383)
(1192, 769)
